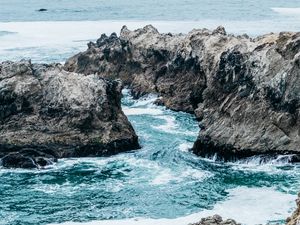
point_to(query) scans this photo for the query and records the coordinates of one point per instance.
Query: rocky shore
(215, 220)
(48, 113)
(244, 91)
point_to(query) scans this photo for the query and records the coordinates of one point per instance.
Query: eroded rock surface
(48, 113)
(295, 217)
(244, 91)
(215, 220)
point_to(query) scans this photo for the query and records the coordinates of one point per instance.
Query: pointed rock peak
(150, 29)
(113, 36)
(219, 30)
(124, 31)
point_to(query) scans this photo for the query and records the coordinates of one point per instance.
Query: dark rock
(42, 10)
(48, 113)
(215, 220)
(244, 91)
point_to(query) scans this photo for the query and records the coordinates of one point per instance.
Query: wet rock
(215, 220)
(48, 113)
(42, 10)
(245, 91)
(27, 158)
(294, 219)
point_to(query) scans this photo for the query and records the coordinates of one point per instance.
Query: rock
(215, 220)
(48, 113)
(42, 10)
(27, 158)
(244, 91)
(295, 218)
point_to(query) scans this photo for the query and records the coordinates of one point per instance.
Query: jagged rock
(244, 91)
(295, 217)
(215, 220)
(48, 113)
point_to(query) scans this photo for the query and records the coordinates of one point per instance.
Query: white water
(287, 11)
(247, 205)
(55, 41)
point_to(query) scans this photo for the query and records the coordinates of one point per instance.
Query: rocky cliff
(244, 91)
(47, 113)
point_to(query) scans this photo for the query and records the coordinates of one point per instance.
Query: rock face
(295, 218)
(243, 91)
(215, 220)
(47, 113)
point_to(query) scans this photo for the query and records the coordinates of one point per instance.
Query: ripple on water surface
(162, 183)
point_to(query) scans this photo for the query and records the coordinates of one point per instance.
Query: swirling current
(162, 183)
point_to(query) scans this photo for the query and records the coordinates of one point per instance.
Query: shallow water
(161, 183)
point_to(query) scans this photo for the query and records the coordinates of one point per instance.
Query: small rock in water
(215, 220)
(42, 10)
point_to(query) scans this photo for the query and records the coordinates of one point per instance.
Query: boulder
(48, 113)
(215, 220)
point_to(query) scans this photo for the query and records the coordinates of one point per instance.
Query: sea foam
(246, 205)
(287, 11)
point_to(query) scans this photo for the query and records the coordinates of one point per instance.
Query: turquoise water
(162, 180)
(162, 183)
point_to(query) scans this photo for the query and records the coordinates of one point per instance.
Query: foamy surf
(249, 206)
(287, 11)
(55, 41)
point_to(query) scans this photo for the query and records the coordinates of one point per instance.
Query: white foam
(260, 163)
(249, 206)
(287, 11)
(58, 38)
(166, 176)
(163, 177)
(169, 126)
(184, 147)
(142, 111)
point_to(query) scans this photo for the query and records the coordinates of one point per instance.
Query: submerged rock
(48, 113)
(244, 91)
(215, 220)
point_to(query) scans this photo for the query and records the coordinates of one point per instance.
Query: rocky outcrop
(47, 113)
(215, 220)
(295, 218)
(244, 91)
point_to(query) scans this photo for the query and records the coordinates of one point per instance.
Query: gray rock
(247, 89)
(59, 114)
(294, 219)
(215, 220)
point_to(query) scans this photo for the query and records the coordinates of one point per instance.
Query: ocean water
(162, 183)
(67, 26)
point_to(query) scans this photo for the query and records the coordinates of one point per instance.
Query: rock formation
(48, 113)
(295, 218)
(244, 91)
(215, 220)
